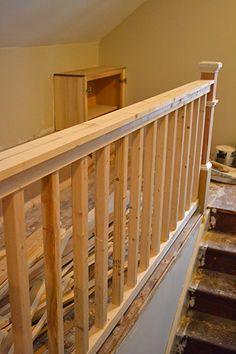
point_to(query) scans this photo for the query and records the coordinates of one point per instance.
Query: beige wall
(161, 44)
(26, 87)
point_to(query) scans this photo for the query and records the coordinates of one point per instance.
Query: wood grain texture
(122, 88)
(209, 118)
(52, 259)
(204, 182)
(14, 232)
(80, 252)
(199, 145)
(185, 163)
(169, 175)
(136, 152)
(160, 167)
(121, 168)
(102, 186)
(178, 167)
(20, 159)
(94, 73)
(192, 155)
(69, 101)
(148, 187)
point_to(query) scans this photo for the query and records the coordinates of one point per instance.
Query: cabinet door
(70, 101)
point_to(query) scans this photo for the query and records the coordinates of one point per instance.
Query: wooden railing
(159, 147)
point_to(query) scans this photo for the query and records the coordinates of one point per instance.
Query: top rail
(31, 161)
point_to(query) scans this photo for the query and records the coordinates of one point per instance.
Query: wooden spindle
(169, 175)
(185, 163)
(17, 269)
(102, 186)
(121, 168)
(178, 167)
(148, 186)
(80, 252)
(209, 71)
(135, 202)
(52, 261)
(199, 145)
(161, 148)
(192, 155)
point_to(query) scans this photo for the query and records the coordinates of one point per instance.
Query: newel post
(209, 71)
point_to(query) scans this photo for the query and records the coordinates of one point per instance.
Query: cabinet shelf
(99, 110)
(82, 95)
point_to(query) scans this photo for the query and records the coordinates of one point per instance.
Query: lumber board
(197, 166)
(121, 171)
(13, 213)
(169, 175)
(52, 261)
(185, 164)
(178, 167)
(161, 148)
(80, 252)
(148, 187)
(66, 146)
(135, 205)
(193, 149)
(102, 186)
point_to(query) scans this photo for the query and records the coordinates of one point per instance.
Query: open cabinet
(86, 94)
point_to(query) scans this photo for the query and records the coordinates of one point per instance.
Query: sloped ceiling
(45, 22)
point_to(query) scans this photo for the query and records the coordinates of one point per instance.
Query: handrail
(162, 145)
(31, 161)
(20, 158)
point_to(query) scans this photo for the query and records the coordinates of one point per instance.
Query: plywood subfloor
(222, 196)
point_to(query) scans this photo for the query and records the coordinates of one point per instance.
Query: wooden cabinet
(86, 94)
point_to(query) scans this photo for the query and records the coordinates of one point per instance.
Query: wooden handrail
(31, 161)
(122, 122)
(157, 145)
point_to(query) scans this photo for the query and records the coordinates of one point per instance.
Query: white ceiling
(44, 22)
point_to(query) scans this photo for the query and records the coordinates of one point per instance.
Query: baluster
(101, 236)
(192, 155)
(121, 168)
(148, 185)
(178, 167)
(169, 175)
(199, 147)
(185, 163)
(80, 252)
(17, 269)
(209, 71)
(161, 148)
(135, 201)
(52, 261)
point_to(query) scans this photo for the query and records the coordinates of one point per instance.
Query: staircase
(208, 324)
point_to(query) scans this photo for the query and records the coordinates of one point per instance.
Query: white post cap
(210, 66)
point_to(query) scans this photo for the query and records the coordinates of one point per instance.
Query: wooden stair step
(204, 333)
(214, 293)
(220, 254)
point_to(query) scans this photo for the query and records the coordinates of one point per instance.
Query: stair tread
(215, 283)
(211, 329)
(220, 241)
